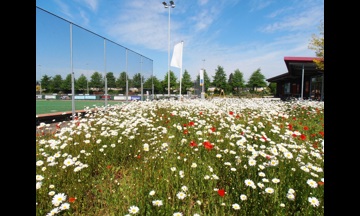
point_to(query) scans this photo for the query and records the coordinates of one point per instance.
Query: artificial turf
(53, 106)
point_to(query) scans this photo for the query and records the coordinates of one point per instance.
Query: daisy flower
(58, 198)
(313, 201)
(249, 182)
(152, 193)
(235, 206)
(243, 197)
(269, 190)
(275, 180)
(64, 206)
(312, 183)
(181, 195)
(133, 209)
(290, 196)
(157, 203)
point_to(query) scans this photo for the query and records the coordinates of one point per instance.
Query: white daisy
(235, 206)
(313, 201)
(133, 209)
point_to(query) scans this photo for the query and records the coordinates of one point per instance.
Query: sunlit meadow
(193, 157)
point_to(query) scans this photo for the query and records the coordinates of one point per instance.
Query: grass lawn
(53, 106)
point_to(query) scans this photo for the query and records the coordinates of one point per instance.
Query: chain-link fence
(69, 51)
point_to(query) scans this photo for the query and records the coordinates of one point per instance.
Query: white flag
(176, 60)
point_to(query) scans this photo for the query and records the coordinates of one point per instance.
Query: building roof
(295, 67)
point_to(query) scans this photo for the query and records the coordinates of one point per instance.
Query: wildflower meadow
(223, 156)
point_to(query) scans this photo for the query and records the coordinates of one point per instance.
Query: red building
(303, 80)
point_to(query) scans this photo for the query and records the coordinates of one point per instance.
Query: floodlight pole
(72, 77)
(105, 78)
(40, 79)
(172, 5)
(87, 81)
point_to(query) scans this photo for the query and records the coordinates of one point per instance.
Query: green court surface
(53, 106)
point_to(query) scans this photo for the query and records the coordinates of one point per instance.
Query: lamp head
(172, 4)
(165, 5)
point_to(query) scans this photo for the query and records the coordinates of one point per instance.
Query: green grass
(53, 106)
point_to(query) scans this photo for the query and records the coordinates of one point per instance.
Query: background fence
(63, 48)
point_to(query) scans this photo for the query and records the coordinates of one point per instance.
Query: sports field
(53, 106)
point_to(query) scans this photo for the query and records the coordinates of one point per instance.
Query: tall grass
(191, 157)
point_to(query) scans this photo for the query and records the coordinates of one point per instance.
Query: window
(287, 88)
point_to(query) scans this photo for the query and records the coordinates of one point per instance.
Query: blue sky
(234, 34)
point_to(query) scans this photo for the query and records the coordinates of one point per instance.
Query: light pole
(40, 79)
(87, 81)
(172, 5)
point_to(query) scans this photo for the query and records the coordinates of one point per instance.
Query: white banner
(176, 60)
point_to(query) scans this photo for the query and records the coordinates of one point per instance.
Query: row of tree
(232, 84)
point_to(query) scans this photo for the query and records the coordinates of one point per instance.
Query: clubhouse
(303, 80)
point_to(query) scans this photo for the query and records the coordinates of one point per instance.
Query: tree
(173, 82)
(256, 80)
(272, 87)
(110, 80)
(317, 44)
(45, 83)
(96, 80)
(237, 81)
(56, 83)
(81, 83)
(66, 84)
(186, 82)
(219, 80)
(136, 80)
(121, 81)
(157, 84)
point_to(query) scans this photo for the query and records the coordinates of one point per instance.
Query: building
(303, 80)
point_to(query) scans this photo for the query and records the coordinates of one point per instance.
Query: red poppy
(290, 127)
(208, 145)
(200, 113)
(185, 131)
(193, 143)
(72, 199)
(213, 129)
(237, 116)
(108, 166)
(231, 113)
(221, 192)
(184, 125)
(321, 183)
(139, 156)
(306, 128)
(302, 137)
(321, 133)
(294, 118)
(191, 123)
